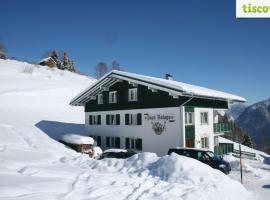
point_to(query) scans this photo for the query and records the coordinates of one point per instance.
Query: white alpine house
(143, 113)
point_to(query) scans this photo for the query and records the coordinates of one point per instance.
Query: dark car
(205, 156)
(117, 153)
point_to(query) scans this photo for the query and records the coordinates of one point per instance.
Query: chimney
(168, 77)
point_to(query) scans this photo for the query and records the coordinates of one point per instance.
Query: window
(205, 142)
(204, 117)
(133, 94)
(113, 97)
(189, 118)
(100, 99)
(113, 119)
(134, 143)
(94, 119)
(97, 139)
(113, 142)
(133, 119)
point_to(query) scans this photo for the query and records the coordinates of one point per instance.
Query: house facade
(132, 111)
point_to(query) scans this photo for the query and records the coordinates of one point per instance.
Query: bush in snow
(28, 69)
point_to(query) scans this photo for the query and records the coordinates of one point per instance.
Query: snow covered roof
(175, 88)
(77, 139)
(46, 59)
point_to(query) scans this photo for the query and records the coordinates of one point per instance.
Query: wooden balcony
(223, 127)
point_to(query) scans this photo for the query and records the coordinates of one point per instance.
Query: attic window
(113, 97)
(132, 94)
(100, 99)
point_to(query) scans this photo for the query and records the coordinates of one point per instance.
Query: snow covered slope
(34, 109)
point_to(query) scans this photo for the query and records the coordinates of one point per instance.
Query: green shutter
(127, 119)
(117, 119)
(117, 142)
(139, 119)
(107, 141)
(139, 144)
(99, 119)
(127, 143)
(90, 119)
(107, 119)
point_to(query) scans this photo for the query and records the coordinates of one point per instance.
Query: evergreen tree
(101, 69)
(2, 52)
(247, 141)
(54, 55)
(115, 65)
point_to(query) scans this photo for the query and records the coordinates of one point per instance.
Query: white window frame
(100, 99)
(112, 119)
(203, 122)
(94, 119)
(113, 97)
(205, 142)
(189, 118)
(133, 120)
(133, 97)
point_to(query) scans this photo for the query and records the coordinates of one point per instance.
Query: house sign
(158, 121)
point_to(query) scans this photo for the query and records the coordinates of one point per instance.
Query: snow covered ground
(34, 113)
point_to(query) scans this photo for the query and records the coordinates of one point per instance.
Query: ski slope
(34, 113)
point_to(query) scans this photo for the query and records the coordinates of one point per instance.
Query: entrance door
(190, 143)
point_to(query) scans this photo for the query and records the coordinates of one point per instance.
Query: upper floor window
(113, 97)
(133, 119)
(133, 94)
(113, 119)
(100, 99)
(189, 118)
(94, 119)
(204, 117)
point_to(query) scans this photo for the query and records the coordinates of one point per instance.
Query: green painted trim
(148, 99)
(189, 109)
(190, 132)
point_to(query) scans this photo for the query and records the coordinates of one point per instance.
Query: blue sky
(199, 42)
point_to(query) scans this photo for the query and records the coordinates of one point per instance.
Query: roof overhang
(116, 76)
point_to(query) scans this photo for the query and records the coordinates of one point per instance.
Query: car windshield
(212, 155)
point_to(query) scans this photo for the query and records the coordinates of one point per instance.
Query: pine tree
(101, 69)
(2, 52)
(54, 55)
(115, 65)
(247, 141)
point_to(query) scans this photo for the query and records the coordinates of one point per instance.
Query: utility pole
(241, 172)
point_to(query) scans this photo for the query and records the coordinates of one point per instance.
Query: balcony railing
(223, 127)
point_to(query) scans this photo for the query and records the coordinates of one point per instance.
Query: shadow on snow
(55, 129)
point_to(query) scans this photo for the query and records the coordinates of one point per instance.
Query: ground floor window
(113, 142)
(190, 143)
(134, 143)
(97, 139)
(205, 142)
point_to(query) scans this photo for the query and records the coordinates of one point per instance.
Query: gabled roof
(46, 59)
(175, 88)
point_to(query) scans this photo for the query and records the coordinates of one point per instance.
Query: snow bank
(247, 166)
(77, 139)
(176, 171)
